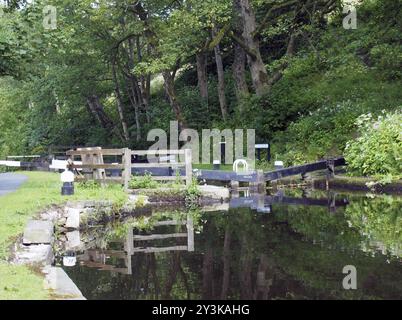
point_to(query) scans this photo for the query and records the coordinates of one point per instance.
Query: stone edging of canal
(342, 183)
(36, 247)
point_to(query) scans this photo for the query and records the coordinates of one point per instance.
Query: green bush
(378, 149)
(143, 182)
(88, 185)
(324, 132)
(192, 194)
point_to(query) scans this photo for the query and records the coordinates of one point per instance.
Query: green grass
(39, 191)
(19, 282)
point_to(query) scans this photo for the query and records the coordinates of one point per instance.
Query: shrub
(324, 132)
(89, 185)
(378, 149)
(143, 182)
(192, 194)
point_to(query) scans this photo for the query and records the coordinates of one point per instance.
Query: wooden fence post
(126, 176)
(189, 167)
(259, 184)
(190, 233)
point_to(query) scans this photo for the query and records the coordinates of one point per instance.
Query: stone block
(52, 216)
(73, 218)
(73, 240)
(38, 232)
(35, 254)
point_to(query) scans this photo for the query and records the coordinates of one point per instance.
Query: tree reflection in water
(295, 252)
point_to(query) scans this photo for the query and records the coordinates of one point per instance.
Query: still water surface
(292, 245)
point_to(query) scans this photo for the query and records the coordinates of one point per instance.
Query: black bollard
(217, 164)
(67, 177)
(67, 189)
(223, 152)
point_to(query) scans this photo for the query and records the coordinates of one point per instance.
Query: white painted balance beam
(10, 163)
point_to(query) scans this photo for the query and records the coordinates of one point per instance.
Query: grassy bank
(40, 190)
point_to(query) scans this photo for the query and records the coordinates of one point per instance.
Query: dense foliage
(378, 149)
(111, 71)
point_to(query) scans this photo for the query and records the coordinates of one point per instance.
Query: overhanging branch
(245, 47)
(278, 7)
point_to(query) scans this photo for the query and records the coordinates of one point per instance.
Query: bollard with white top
(223, 151)
(67, 177)
(278, 165)
(217, 164)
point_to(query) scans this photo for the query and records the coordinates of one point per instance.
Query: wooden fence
(133, 244)
(93, 166)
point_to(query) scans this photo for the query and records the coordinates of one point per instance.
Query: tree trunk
(147, 96)
(202, 76)
(137, 122)
(168, 77)
(239, 71)
(135, 104)
(133, 77)
(221, 79)
(144, 82)
(258, 71)
(134, 93)
(239, 62)
(119, 101)
(277, 75)
(148, 86)
(99, 113)
(171, 93)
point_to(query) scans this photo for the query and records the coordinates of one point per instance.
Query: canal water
(290, 245)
